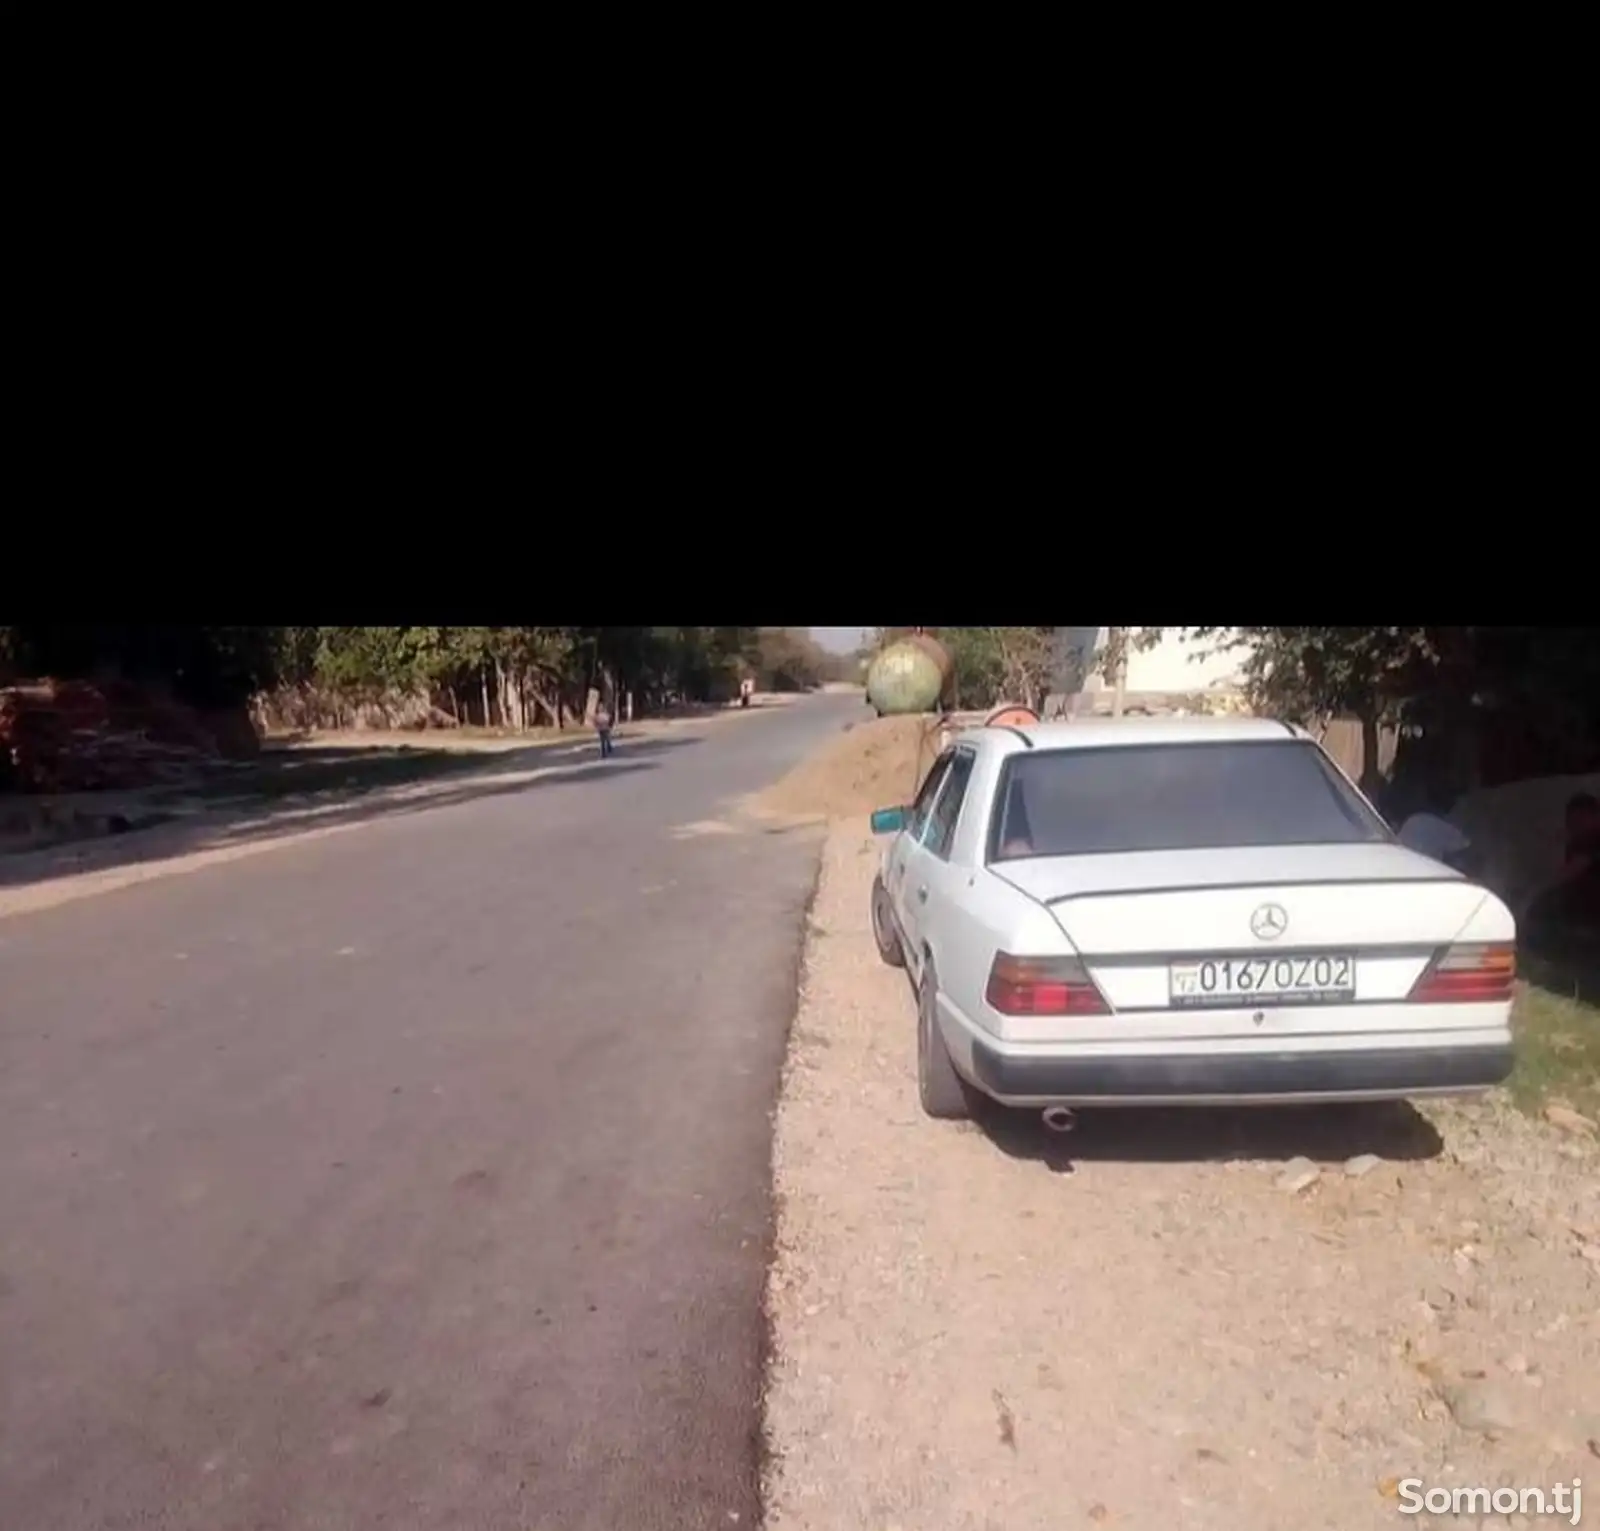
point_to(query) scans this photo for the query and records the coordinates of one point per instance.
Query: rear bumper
(1231, 1078)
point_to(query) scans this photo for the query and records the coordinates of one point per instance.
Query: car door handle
(922, 895)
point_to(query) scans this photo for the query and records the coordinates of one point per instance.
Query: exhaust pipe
(1060, 1118)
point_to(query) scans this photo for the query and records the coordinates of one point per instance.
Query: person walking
(602, 726)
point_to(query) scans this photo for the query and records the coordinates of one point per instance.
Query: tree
(789, 659)
(209, 667)
(1532, 692)
(1309, 675)
(1517, 701)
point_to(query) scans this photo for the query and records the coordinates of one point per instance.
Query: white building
(1175, 667)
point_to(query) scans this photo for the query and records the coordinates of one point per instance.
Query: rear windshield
(1168, 797)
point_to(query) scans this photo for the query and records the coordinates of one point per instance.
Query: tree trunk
(1114, 667)
(1371, 770)
(483, 690)
(542, 703)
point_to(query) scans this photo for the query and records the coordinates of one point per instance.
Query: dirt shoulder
(1165, 1319)
(874, 763)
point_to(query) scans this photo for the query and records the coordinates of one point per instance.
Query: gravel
(989, 1326)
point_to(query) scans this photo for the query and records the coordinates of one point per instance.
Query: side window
(947, 811)
(924, 803)
(1010, 833)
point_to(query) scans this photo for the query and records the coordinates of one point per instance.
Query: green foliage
(1558, 1051)
(1549, 676)
(515, 675)
(1451, 686)
(210, 667)
(1304, 673)
(511, 674)
(1542, 681)
(366, 661)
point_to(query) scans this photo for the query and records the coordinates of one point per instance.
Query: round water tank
(910, 675)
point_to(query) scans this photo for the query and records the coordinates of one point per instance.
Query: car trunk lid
(1136, 918)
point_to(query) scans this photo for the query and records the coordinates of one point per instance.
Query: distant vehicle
(1180, 912)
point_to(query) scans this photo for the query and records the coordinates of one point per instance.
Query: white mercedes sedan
(1180, 912)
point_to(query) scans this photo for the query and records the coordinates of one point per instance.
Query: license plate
(1316, 980)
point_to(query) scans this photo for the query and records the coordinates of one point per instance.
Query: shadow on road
(1154, 1135)
(350, 770)
(268, 819)
(647, 746)
(345, 769)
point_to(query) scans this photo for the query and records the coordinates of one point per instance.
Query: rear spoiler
(1277, 882)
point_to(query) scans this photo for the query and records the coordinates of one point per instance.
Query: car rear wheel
(883, 928)
(944, 1093)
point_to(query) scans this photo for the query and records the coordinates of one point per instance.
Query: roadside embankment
(876, 763)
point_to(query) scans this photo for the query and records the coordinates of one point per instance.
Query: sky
(840, 639)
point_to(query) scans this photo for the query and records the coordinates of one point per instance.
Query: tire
(883, 930)
(945, 1095)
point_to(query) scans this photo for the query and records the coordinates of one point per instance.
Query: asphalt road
(411, 1178)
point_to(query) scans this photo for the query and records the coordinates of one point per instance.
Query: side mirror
(888, 821)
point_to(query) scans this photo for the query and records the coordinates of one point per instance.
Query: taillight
(1043, 986)
(1468, 975)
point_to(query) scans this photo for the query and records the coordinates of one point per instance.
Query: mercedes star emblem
(1269, 922)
